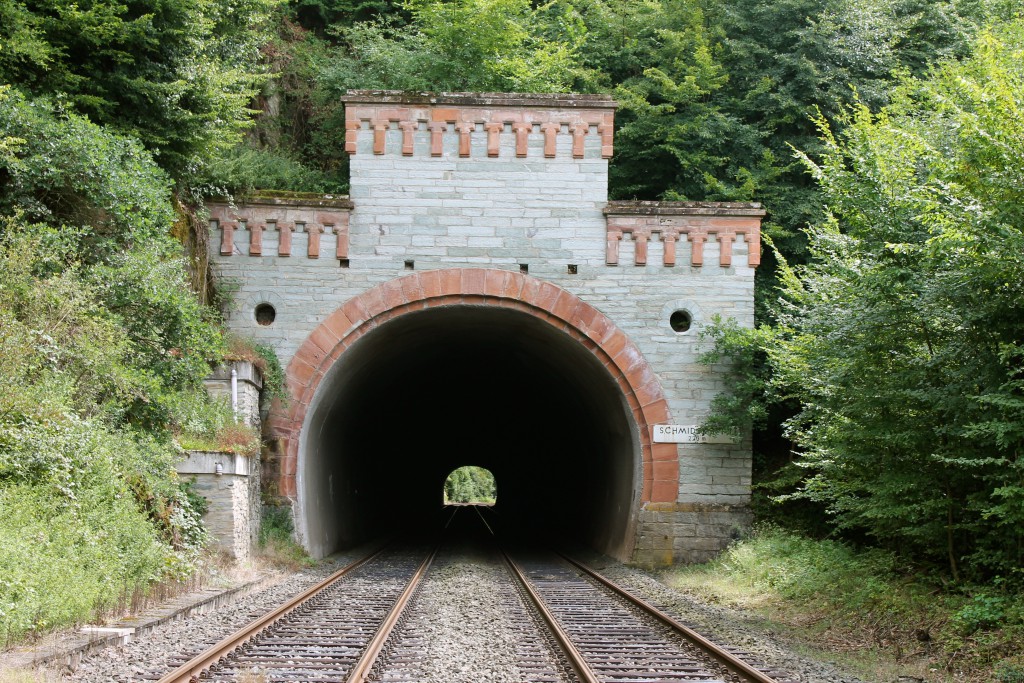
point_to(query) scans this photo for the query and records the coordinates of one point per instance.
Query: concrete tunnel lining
(468, 384)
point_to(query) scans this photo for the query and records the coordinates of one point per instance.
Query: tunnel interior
(435, 389)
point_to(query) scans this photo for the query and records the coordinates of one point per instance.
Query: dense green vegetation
(883, 136)
(900, 340)
(105, 110)
(177, 75)
(470, 484)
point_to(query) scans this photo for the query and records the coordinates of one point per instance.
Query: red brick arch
(477, 286)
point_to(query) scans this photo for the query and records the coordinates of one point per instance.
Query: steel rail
(361, 671)
(194, 668)
(576, 660)
(724, 657)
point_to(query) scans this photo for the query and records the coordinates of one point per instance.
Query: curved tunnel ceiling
(456, 385)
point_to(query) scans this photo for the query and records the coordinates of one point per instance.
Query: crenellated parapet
(478, 124)
(247, 224)
(694, 222)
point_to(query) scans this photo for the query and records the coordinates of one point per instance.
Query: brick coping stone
(661, 208)
(485, 99)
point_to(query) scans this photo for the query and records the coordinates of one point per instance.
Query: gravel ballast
(466, 620)
(464, 626)
(161, 649)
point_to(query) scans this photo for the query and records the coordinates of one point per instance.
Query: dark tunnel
(432, 390)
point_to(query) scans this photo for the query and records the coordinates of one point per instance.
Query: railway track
(323, 634)
(570, 624)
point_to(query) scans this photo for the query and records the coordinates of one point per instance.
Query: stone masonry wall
(230, 482)
(517, 183)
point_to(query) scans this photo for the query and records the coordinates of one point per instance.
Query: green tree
(110, 207)
(320, 15)
(177, 74)
(673, 139)
(470, 484)
(901, 339)
(465, 45)
(66, 170)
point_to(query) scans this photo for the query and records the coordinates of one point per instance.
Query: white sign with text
(686, 434)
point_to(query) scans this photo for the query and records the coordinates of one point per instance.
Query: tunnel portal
(431, 390)
(476, 298)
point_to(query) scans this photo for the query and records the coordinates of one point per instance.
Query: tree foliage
(101, 341)
(465, 45)
(901, 338)
(470, 484)
(90, 510)
(712, 94)
(176, 74)
(109, 209)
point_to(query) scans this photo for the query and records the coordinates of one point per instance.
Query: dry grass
(283, 554)
(242, 349)
(27, 676)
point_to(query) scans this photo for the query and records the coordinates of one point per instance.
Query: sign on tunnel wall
(686, 434)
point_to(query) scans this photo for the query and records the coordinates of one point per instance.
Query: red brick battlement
(462, 114)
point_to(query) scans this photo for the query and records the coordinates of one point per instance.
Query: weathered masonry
(477, 300)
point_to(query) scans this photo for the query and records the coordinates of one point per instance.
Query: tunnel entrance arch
(422, 373)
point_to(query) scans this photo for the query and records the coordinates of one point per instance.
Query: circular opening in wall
(265, 314)
(680, 321)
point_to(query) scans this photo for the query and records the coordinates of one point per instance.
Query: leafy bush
(1009, 673)
(100, 213)
(982, 612)
(245, 169)
(264, 357)
(74, 535)
(66, 170)
(276, 524)
(101, 340)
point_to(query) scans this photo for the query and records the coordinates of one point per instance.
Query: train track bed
(152, 654)
(722, 624)
(601, 636)
(469, 622)
(617, 643)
